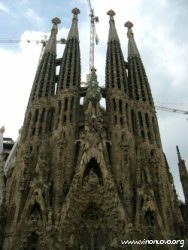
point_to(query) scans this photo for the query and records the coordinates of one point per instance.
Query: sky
(161, 33)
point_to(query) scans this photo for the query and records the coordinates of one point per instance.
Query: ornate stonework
(85, 177)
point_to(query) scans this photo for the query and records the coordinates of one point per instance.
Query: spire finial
(51, 45)
(93, 69)
(54, 29)
(113, 36)
(73, 33)
(128, 24)
(93, 91)
(132, 48)
(56, 20)
(75, 11)
(2, 129)
(111, 13)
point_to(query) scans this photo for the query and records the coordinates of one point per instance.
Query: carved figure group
(91, 179)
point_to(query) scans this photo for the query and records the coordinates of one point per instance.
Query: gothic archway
(35, 212)
(92, 234)
(94, 167)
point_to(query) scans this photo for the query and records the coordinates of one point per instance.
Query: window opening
(114, 104)
(66, 104)
(72, 103)
(36, 115)
(143, 135)
(42, 115)
(140, 118)
(147, 120)
(121, 121)
(120, 106)
(115, 119)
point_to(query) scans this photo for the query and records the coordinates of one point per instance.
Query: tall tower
(85, 177)
(184, 181)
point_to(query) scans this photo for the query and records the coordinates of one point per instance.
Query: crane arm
(172, 110)
(62, 41)
(89, 3)
(20, 41)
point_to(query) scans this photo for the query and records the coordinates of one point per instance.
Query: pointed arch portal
(92, 235)
(93, 166)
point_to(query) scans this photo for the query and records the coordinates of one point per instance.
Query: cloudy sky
(161, 33)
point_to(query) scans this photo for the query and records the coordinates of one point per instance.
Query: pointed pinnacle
(56, 20)
(111, 13)
(76, 11)
(93, 69)
(112, 36)
(128, 24)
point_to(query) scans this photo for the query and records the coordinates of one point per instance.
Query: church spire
(139, 88)
(132, 47)
(73, 33)
(93, 90)
(183, 175)
(44, 83)
(116, 75)
(70, 69)
(51, 45)
(112, 36)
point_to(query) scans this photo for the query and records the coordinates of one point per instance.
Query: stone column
(2, 130)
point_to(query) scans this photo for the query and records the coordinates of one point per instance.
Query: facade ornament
(71, 240)
(91, 179)
(28, 154)
(35, 217)
(114, 241)
(20, 130)
(2, 129)
(50, 217)
(62, 141)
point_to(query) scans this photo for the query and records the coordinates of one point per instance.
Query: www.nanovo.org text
(152, 242)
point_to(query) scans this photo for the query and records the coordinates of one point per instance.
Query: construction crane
(172, 110)
(43, 42)
(93, 36)
(184, 112)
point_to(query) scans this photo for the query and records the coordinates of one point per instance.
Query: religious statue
(71, 240)
(93, 179)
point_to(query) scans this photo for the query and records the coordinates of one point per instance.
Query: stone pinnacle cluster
(86, 177)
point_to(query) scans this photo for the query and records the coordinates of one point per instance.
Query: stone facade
(85, 177)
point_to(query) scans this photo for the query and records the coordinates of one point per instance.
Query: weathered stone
(85, 177)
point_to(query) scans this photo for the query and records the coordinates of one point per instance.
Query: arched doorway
(92, 235)
(93, 168)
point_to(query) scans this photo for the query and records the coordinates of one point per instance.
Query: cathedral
(88, 177)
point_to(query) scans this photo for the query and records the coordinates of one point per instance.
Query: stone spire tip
(113, 36)
(111, 13)
(76, 11)
(73, 33)
(128, 24)
(93, 69)
(56, 20)
(132, 47)
(2, 129)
